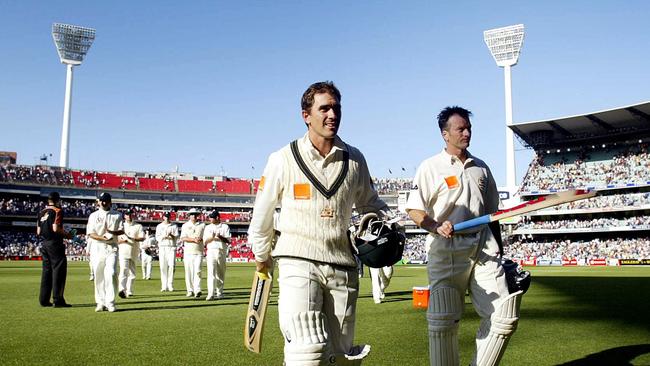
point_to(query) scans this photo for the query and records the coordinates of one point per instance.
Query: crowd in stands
(634, 222)
(149, 182)
(618, 167)
(83, 209)
(22, 207)
(619, 248)
(35, 174)
(415, 249)
(28, 245)
(392, 185)
(616, 201)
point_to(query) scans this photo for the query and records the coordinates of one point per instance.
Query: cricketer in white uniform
(192, 238)
(216, 237)
(318, 277)
(146, 259)
(380, 278)
(128, 246)
(166, 236)
(448, 188)
(104, 225)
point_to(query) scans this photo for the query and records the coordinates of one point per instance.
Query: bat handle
(481, 220)
(264, 274)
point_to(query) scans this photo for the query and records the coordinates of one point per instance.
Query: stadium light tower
(505, 45)
(72, 43)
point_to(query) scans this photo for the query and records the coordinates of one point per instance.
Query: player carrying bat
(316, 179)
(448, 188)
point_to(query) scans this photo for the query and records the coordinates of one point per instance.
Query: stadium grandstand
(23, 192)
(606, 151)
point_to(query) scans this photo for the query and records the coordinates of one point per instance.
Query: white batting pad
(502, 325)
(306, 339)
(445, 309)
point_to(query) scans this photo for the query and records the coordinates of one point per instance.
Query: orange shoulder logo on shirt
(301, 191)
(452, 181)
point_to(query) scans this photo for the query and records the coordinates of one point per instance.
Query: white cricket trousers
(146, 266)
(312, 286)
(192, 263)
(380, 280)
(456, 264)
(127, 275)
(104, 259)
(216, 261)
(167, 258)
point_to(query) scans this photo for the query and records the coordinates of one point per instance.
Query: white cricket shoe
(99, 308)
(111, 309)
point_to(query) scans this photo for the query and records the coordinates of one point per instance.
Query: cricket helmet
(376, 242)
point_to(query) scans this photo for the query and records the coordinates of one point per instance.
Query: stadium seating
(234, 186)
(201, 186)
(155, 184)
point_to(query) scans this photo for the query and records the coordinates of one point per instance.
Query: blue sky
(214, 86)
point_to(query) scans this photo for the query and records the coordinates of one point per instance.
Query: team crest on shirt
(45, 217)
(482, 183)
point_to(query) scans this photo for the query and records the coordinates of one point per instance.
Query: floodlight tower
(505, 45)
(72, 43)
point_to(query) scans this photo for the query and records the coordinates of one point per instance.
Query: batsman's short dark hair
(307, 100)
(54, 197)
(447, 112)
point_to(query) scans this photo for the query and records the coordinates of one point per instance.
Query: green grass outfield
(570, 316)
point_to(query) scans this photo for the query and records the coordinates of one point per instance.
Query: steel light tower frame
(505, 46)
(72, 43)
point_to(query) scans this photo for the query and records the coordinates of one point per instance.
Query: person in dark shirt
(49, 226)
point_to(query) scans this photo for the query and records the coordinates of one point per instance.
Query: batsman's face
(324, 117)
(458, 134)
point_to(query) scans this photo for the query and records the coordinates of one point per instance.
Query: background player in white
(192, 238)
(89, 253)
(448, 188)
(128, 244)
(216, 237)
(380, 280)
(146, 249)
(318, 277)
(104, 225)
(166, 236)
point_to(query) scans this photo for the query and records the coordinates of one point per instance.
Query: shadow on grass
(614, 356)
(205, 304)
(621, 299)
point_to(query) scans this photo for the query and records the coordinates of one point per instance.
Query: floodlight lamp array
(505, 43)
(72, 42)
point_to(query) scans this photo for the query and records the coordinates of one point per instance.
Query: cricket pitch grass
(570, 316)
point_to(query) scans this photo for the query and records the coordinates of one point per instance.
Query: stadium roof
(618, 124)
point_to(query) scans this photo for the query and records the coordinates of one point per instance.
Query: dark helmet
(377, 243)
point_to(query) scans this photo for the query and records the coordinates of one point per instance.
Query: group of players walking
(114, 237)
(317, 179)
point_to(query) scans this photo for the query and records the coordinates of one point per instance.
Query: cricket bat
(260, 293)
(529, 206)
